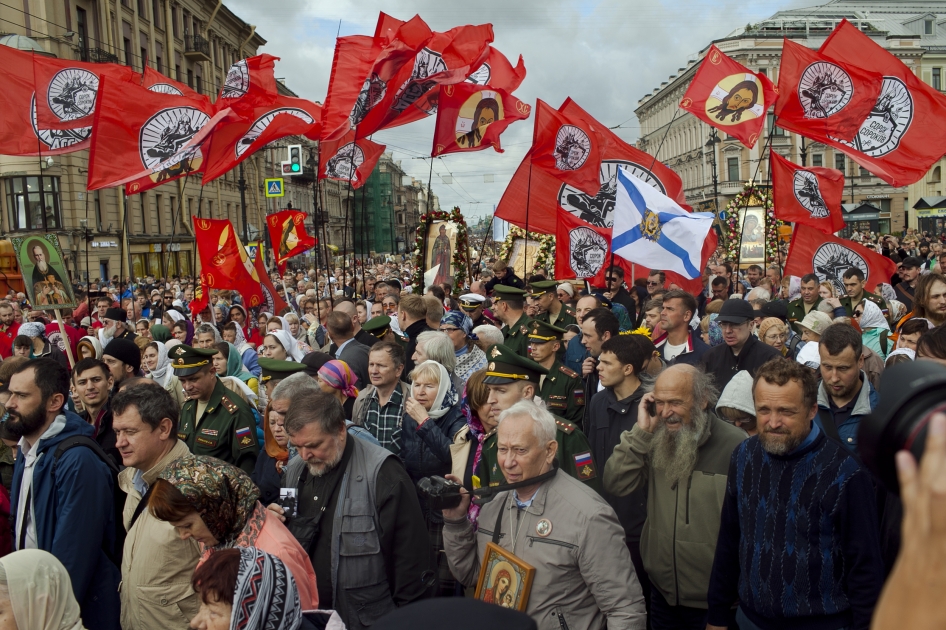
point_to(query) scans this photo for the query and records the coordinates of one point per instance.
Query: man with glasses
(655, 281)
(742, 350)
(616, 292)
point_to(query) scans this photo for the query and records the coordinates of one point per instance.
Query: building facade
(913, 31)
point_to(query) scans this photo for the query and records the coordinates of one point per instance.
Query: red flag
(272, 303)
(20, 133)
(363, 68)
(224, 261)
(201, 299)
(340, 159)
(818, 93)
(288, 236)
(583, 251)
(566, 147)
(809, 195)
(727, 95)
(157, 82)
(813, 251)
(144, 138)
(539, 207)
(237, 138)
(250, 83)
(67, 91)
(471, 117)
(498, 72)
(448, 58)
(905, 133)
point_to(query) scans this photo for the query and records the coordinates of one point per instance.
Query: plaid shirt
(384, 423)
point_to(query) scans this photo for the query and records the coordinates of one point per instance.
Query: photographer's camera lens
(911, 393)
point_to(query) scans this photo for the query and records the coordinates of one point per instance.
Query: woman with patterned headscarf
(337, 379)
(218, 505)
(459, 328)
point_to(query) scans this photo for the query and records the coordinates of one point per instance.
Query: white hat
(738, 394)
(810, 355)
(567, 288)
(815, 321)
(471, 300)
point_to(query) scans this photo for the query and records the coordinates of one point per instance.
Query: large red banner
(288, 236)
(224, 261)
(809, 195)
(813, 251)
(472, 117)
(349, 160)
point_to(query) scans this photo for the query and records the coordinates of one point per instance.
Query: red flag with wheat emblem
(224, 261)
(288, 236)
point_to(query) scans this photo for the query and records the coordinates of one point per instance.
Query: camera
(440, 493)
(912, 393)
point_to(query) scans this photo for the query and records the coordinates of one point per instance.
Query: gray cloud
(605, 54)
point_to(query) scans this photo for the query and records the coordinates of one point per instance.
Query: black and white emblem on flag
(808, 194)
(427, 63)
(237, 82)
(824, 89)
(599, 209)
(572, 146)
(481, 76)
(163, 137)
(264, 121)
(831, 260)
(344, 164)
(71, 93)
(886, 124)
(370, 95)
(58, 138)
(165, 88)
(588, 251)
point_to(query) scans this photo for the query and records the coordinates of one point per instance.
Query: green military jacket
(876, 299)
(564, 393)
(517, 336)
(565, 317)
(227, 430)
(573, 455)
(796, 312)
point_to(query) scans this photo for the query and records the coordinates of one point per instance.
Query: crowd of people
(661, 459)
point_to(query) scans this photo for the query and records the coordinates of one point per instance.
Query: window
(171, 210)
(937, 175)
(128, 52)
(937, 79)
(82, 28)
(190, 77)
(98, 211)
(817, 160)
(175, 28)
(143, 212)
(142, 10)
(157, 211)
(156, 13)
(927, 27)
(177, 71)
(200, 85)
(144, 57)
(864, 172)
(159, 57)
(839, 162)
(210, 208)
(33, 203)
(732, 168)
(770, 125)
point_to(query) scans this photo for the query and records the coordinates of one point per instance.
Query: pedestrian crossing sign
(275, 187)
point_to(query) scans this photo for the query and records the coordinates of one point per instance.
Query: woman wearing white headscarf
(39, 592)
(155, 360)
(280, 345)
(233, 333)
(874, 328)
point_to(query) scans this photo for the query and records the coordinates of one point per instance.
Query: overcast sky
(605, 54)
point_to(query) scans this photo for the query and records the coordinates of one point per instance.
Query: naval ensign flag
(650, 229)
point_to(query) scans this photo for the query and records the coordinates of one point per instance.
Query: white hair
(759, 293)
(489, 334)
(544, 427)
(438, 347)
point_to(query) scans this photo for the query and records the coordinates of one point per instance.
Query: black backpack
(118, 495)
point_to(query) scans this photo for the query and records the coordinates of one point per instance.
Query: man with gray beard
(680, 451)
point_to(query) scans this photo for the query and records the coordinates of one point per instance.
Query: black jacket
(723, 364)
(510, 280)
(412, 332)
(624, 298)
(608, 419)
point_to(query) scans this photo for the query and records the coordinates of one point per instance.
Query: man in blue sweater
(798, 542)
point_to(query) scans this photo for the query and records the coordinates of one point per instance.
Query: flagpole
(430, 203)
(525, 245)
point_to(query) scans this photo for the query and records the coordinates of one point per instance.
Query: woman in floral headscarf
(337, 379)
(217, 504)
(459, 327)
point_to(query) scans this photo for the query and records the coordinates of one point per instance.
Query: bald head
(348, 308)
(681, 388)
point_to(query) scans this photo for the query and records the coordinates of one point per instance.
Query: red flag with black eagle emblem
(288, 236)
(813, 251)
(472, 117)
(727, 95)
(809, 195)
(224, 261)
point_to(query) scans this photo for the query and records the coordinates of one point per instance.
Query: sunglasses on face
(653, 284)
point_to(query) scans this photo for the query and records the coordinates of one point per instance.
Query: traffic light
(295, 159)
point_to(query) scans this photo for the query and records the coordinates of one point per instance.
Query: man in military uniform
(274, 371)
(213, 422)
(512, 378)
(551, 309)
(853, 280)
(508, 303)
(474, 305)
(562, 389)
(809, 301)
(380, 327)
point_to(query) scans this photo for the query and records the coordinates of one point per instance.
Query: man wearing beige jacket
(565, 530)
(157, 565)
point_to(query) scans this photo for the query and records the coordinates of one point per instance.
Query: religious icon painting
(42, 265)
(505, 580)
(482, 109)
(441, 245)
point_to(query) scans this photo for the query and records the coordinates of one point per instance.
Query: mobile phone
(652, 408)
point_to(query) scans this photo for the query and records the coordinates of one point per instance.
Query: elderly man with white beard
(680, 451)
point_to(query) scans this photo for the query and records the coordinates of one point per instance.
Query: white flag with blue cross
(650, 229)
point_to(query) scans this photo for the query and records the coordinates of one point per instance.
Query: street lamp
(711, 146)
(804, 152)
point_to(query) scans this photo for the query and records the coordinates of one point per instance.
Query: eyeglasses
(653, 284)
(447, 330)
(611, 279)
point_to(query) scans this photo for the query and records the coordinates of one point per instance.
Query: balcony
(97, 55)
(196, 48)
